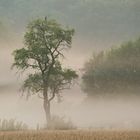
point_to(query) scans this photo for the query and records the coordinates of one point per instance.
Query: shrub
(60, 123)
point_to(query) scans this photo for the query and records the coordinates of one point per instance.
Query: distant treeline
(116, 71)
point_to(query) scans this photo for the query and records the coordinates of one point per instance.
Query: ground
(71, 135)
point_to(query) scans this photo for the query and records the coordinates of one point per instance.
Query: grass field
(71, 135)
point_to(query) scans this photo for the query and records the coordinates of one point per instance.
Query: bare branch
(40, 96)
(53, 95)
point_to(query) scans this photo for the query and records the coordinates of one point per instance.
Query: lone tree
(45, 42)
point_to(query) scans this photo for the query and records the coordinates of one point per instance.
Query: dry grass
(12, 125)
(71, 135)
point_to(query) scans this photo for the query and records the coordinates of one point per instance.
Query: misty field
(71, 135)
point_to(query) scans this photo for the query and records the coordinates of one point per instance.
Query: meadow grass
(12, 125)
(71, 135)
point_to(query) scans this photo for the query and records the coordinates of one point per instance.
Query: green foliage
(45, 41)
(33, 83)
(60, 80)
(42, 40)
(114, 71)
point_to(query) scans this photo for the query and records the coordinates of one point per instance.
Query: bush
(12, 125)
(60, 123)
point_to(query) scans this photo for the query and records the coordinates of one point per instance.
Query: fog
(98, 113)
(121, 112)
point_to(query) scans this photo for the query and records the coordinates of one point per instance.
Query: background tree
(116, 71)
(45, 42)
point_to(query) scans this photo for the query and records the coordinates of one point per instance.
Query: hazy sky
(99, 24)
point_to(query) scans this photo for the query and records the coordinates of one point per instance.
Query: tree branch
(53, 95)
(40, 97)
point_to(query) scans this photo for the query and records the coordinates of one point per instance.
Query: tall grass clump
(12, 125)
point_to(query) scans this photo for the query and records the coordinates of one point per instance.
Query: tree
(116, 71)
(45, 42)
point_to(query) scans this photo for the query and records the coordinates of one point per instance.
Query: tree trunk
(47, 111)
(46, 105)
